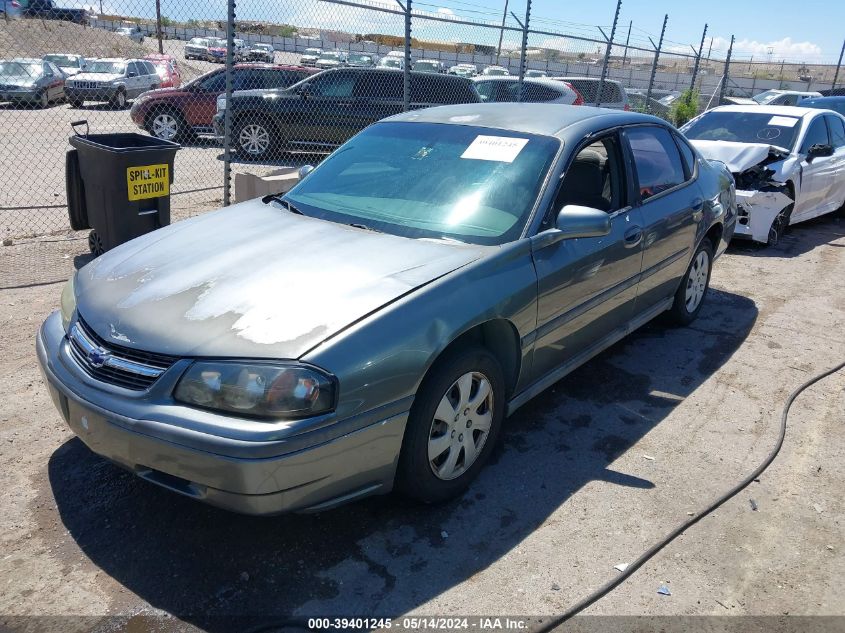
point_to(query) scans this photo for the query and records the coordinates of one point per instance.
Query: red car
(179, 113)
(168, 70)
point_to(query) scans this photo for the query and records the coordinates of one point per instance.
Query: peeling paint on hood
(737, 156)
(252, 280)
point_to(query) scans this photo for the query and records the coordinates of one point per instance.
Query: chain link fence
(207, 75)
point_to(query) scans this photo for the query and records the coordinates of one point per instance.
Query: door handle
(697, 204)
(633, 236)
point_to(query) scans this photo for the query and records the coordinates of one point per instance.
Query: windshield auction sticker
(502, 149)
(148, 181)
(783, 121)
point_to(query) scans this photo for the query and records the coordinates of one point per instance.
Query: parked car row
(75, 79)
(213, 49)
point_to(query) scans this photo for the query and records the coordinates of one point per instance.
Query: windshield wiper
(286, 203)
(363, 227)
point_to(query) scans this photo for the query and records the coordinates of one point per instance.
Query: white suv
(112, 80)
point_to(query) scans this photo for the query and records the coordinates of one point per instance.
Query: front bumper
(19, 95)
(757, 211)
(309, 471)
(217, 125)
(89, 94)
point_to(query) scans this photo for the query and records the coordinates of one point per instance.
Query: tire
(433, 465)
(779, 225)
(255, 138)
(77, 209)
(167, 124)
(118, 101)
(694, 286)
(76, 103)
(95, 244)
(44, 100)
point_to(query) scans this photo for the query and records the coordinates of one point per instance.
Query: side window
(333, 85)
(151, 69)
(687, 154)
(610, 93)
(247, 80)
(379, 85)
(486, 89)
(816, 135)
(46, 70)
(837, 131)
(216, 83)
(656, 159)
(132, 69)
(594, 178)
(588, 89)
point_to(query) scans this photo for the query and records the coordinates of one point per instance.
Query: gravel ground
(587, 476)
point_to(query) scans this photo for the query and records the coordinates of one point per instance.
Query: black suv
(323, 111)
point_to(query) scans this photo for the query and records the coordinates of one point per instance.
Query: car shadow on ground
(798, 239)
(386, 556)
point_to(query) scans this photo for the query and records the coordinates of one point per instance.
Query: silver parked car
(69, 64)
(31, 82)
(372, 328)
(112, 80)
(197, 48)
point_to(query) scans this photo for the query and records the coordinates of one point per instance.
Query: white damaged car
(788, 163)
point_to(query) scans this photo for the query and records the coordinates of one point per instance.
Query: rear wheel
(453, 425)
(44, 100)
(76, 205)
(690, 294)
(75, 103)
(95, 243)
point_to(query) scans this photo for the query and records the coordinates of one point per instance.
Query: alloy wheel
(44, 100)
(697, 280)
(165, 126)
(254, 139)
(460, 426)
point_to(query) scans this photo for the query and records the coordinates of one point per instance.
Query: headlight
(68, 302)
(221, 104)
(257, 390)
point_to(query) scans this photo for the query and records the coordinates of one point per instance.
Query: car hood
(165, 92)
(253, 281)
(737, 156)
(96, 76)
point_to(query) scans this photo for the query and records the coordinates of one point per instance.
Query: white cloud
(445, 11)
(783, 48)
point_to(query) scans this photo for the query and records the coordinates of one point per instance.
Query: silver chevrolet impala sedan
(372, 328)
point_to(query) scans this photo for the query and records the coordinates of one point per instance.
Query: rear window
(589, 88)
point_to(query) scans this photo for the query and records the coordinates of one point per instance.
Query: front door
(587, 286)
(816, 173)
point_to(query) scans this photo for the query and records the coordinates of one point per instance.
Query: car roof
(780, 110)
(529, 118)
(596, 79)
(113, 59)
(555, 84)
(27, 60)
(834, 99)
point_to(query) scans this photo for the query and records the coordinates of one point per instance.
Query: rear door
(327, 114)
(672, 208)
(200, 104)
(587, 287)
(836, 193)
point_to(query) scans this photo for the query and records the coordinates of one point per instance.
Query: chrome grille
(115, 364)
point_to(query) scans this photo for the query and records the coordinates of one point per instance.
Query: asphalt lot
(32, 151)
(588, 475)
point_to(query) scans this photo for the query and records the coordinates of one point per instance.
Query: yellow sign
(148, 181)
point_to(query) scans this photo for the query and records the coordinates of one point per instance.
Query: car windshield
(744, 127)
(111, 68)
(431, 180)
(496, 71)
(19, 69)
(390, 62)
(765, 97)
(63, 61)
(263, 47)
(312, 51)
(330, 56)
(217, 43)
(422, 65)
(364, 59)
(198, 41)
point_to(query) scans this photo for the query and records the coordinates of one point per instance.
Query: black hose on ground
(605, 589)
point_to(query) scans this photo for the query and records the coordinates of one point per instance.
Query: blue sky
(796, 31)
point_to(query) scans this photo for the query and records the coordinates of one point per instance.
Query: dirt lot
(588, 475)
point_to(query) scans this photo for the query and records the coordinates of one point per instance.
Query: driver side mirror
(819, 150)
(304, 90)
(305, 170)
(577, 221)
(131, 73)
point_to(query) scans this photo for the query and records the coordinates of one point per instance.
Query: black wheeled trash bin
(118, 185)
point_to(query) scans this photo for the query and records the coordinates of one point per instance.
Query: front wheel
(254, 139)
(453, 425)
(167, 125)
(696, 281)
(118, 101)
(44, 100)
(779, 226)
